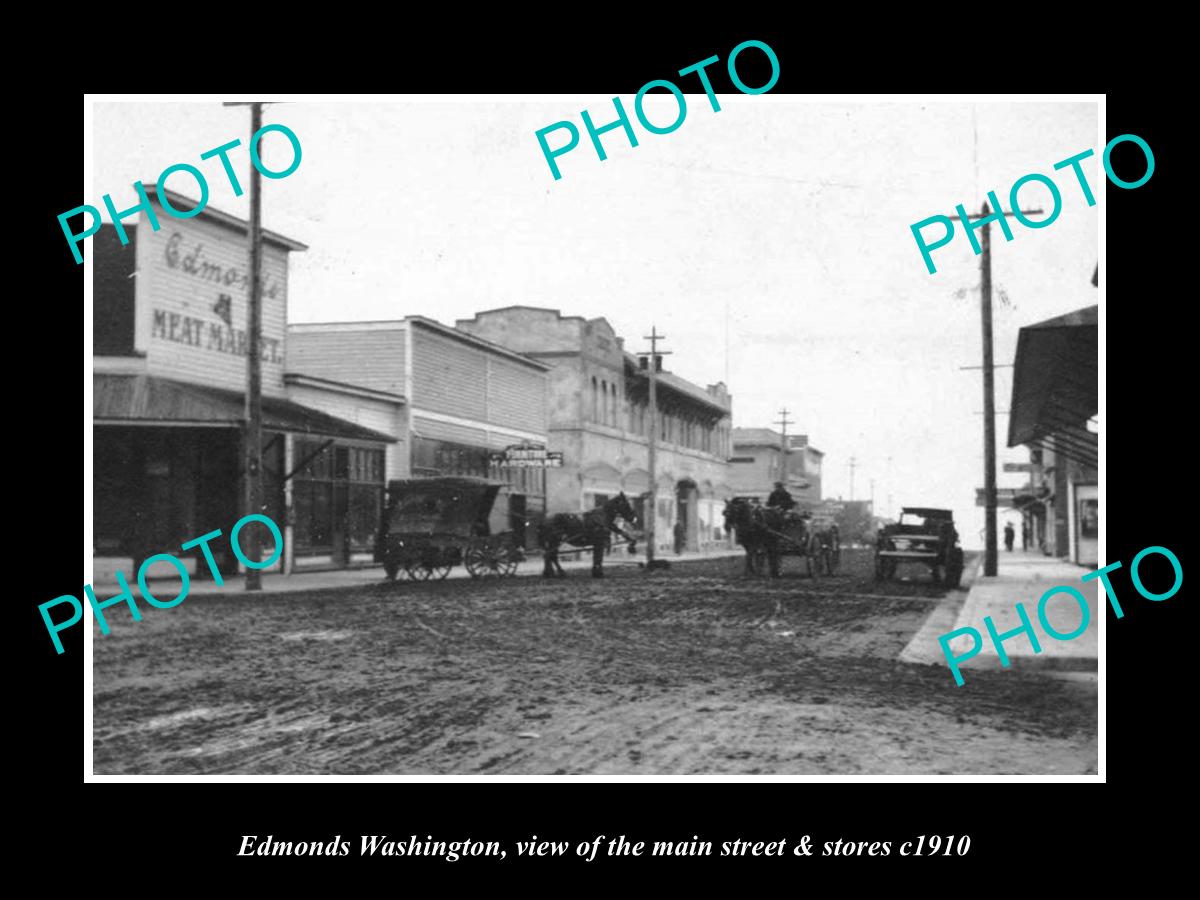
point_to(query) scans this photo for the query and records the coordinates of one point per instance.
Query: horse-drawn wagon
(768, 534)
(431, 525)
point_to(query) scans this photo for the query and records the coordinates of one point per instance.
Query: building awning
(146, 400)
(1056, 385)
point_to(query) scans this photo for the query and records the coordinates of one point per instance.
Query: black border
(1147, 406)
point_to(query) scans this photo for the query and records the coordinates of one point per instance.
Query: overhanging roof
(1056, 380)
(680, 386)
(146, 400)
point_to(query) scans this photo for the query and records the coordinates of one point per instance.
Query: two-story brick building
(598, 419)
(451, 401)
(169, 375)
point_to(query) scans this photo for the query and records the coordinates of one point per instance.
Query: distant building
(598, 419)
(804, 463)
(758, 462)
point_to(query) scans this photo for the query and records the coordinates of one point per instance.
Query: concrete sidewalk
(1021, 577)
(274, 583)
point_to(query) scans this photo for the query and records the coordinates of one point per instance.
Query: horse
(749, 522)
(591, 529)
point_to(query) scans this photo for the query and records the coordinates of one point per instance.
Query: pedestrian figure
(1010, 534)
(680, 537)
(1024, 534)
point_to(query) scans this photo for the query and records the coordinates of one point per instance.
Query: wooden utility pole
(989, 393)
(989, 402)
(853, 465)
(253, 436)
(783, 423)
(651, 502)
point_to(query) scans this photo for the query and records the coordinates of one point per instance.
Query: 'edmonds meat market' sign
(527, 456)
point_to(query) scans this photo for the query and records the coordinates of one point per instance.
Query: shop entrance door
(516, 518)
(685, 516)
(1087, 525)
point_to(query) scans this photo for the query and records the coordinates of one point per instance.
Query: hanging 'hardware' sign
(527, 456)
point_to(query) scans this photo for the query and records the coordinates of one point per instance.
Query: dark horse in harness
(749, 522)
(591, 529)
(768, 532)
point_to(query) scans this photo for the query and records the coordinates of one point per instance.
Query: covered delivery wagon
(432, 524)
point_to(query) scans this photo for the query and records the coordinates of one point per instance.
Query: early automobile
(923, 535)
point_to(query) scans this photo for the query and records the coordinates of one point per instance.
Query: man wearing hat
(780, 498)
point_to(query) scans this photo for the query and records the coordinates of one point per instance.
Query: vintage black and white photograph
(530, 436)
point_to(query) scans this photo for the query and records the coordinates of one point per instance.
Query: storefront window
(363, 515)
(338, 498)
(1089, 518)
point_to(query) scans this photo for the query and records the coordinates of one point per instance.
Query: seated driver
(780, 498)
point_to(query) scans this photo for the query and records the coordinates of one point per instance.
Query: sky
(770, 242)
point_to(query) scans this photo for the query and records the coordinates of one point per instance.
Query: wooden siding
(184, 270)
(448, 376)
(370, 358)
(458, 379)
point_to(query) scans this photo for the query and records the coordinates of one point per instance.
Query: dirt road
(692, 671)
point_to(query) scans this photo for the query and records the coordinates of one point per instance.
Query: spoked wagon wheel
(509, 557)
(429, 571)
(438, 570)
(391, 568)
(483, 560)
(478, 561)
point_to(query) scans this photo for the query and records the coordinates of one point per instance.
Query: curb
(924, 649)
(368, 577)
